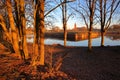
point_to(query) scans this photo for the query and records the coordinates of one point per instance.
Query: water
(95, 42)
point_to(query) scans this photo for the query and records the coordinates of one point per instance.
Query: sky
(75, 18)
(57, 13)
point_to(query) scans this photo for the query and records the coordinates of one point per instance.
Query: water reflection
(111, 41)
(117, 37)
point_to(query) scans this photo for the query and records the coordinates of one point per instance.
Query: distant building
(114, 29)
(83, 28)
(75, 26)
(79, 28)
(57, 29)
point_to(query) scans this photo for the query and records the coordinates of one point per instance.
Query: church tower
(75, 26)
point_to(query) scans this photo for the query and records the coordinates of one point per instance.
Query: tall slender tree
(36, 5)
(107, 9)
(64, 20)
(65, 17)
(23, 28)
(39, 30)
(87, 13)
(18, 25)
(92, 4)
(3, 25)
(38, 58)
(14, 30)
(41, 27)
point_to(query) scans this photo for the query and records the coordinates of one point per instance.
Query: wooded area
(15, 15)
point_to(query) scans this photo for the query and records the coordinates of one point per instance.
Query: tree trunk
(64, 14)
(14, 31)
(89, 41)
(102, 38)
(1, 33)
(38, 59)
(65, 37)
(3, 25)
(23, 28)
(35, 44)
(35, 51)
(91, 18)
(41, 27)
(36, 34)
(5, 43)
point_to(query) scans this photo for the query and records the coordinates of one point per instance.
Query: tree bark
(14, 30)
(89, 41)
(41, 27)
(3, 25)
(5, 43)
(23, 28)
(38, 56)
(64, 15)
(106, 13)
(65, 37)
(92, 5)
(36, 34)
(102, 38)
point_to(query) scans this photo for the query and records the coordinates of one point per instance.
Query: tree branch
(57, 7)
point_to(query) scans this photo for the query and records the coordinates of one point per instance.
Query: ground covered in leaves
(76, 64)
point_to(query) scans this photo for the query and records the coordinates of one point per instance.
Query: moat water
(109, 41)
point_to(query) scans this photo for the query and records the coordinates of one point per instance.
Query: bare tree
(16, 34)
(87, 13)
(23, 29)
(14, 31)
(41, 27)
(20, 22)
(17, 22)
(5, 37)
(64, 20)
(39, 30)
(35, 57)
(65, 17)
(106, 8)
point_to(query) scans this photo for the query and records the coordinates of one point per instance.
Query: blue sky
(76, 17)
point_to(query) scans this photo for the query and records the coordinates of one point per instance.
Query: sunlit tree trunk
(102, 19)
(5, 33)
(17, 17)
(90, 33)
(14, 31)
(41, 32)
(65, 37)
(38, 56)
(36, 34)
(89, 41)
(106, 13)
(23, 29)
(3, 25)
(64, 21)
(1, 33)
(4, 42)
(102, 38)
(92, 4)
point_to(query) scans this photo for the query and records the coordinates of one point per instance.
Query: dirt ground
(102, 63)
